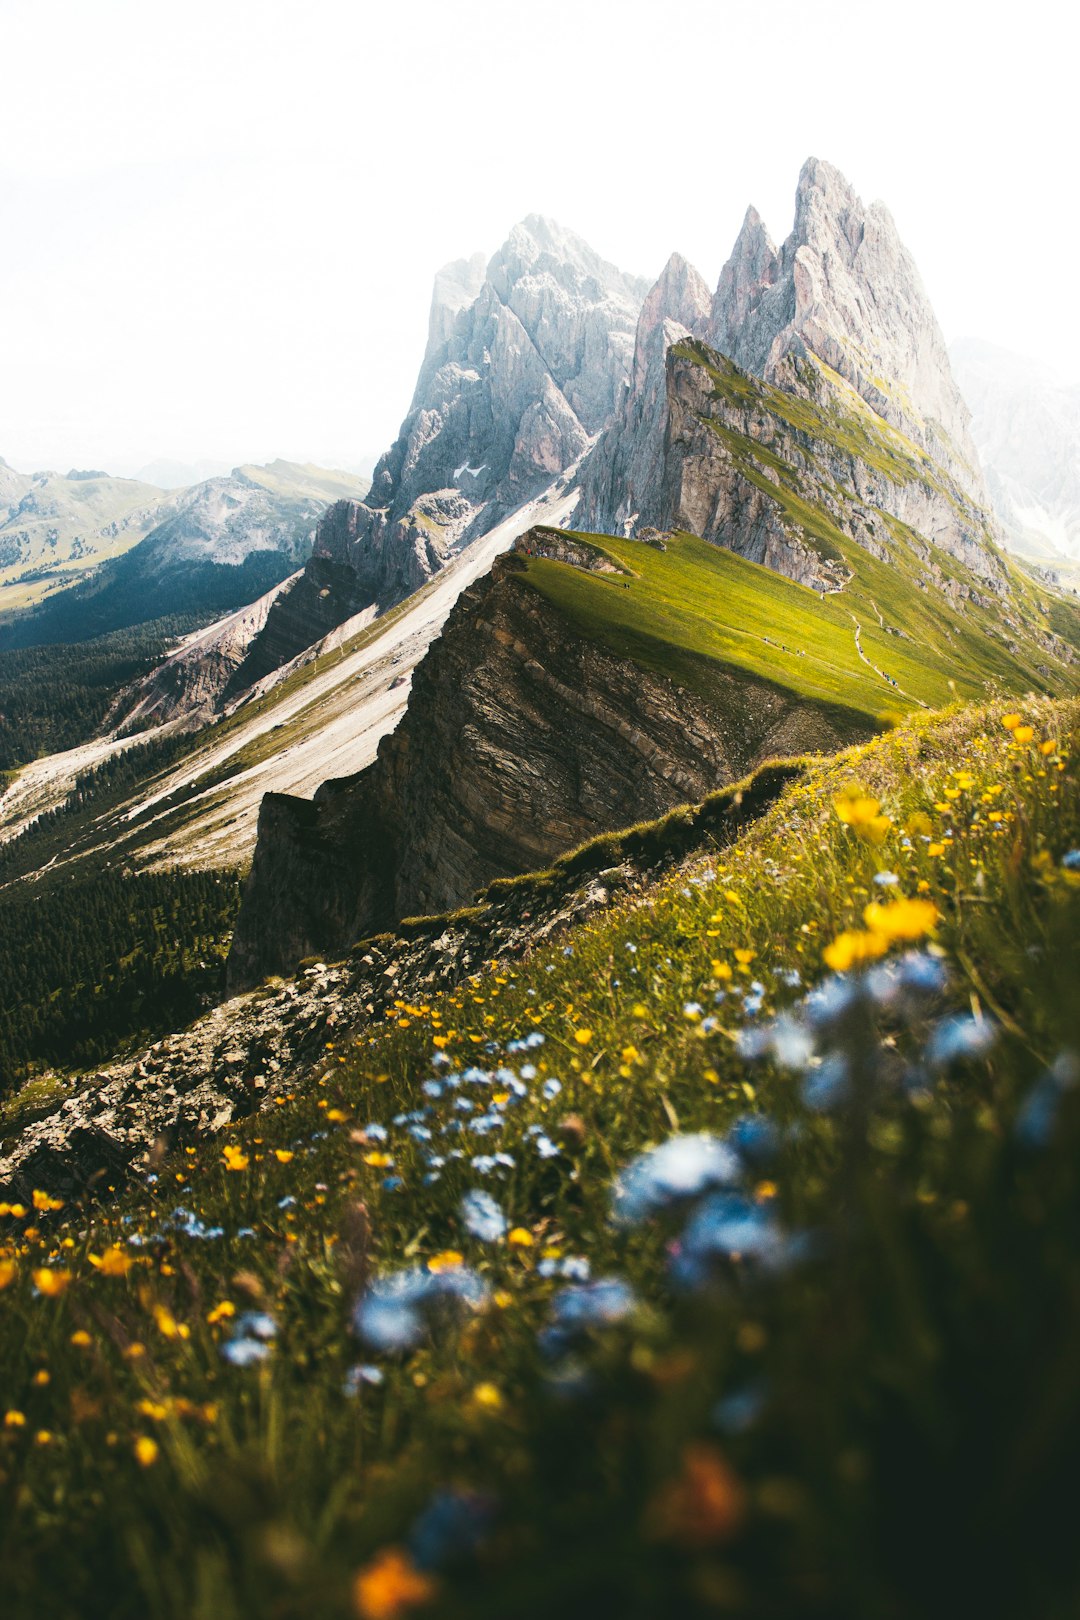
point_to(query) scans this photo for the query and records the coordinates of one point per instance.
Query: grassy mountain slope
(785, 1406)
(55, 529)
(699, 598)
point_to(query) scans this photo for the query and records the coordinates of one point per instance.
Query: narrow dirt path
(880, 672)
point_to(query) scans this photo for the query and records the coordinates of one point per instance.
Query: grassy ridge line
(696, 601)
(187, 1487)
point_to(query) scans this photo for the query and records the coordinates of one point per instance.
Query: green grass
(696, 611)
(921, 1403)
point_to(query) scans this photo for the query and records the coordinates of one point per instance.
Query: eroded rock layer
(522, 739)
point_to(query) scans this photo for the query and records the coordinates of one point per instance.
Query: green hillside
(747, 1376)
(696, 598)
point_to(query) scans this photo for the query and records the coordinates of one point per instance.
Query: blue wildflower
(829, 1085)
(682, 1167)
(738, 1411)
(244, 1352)
(482, 1216)
(1038, 1117)
(755, 1139)
(958, 1037)
(451, 1529)
(356, 1377)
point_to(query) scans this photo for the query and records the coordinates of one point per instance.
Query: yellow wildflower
(521, 1237)
(283, 1155)
(935, 849)
(235, 1158)
(583, 1036)
(1024, 734)
(446, 1260)
(146, 1451)
(49, 1282)
(901, 919)
(43, 1201)
(851, 949)
(113, 1263)
(14, 1420)
(221, 1312)
(8, 1273)
(167, 1325)
(1011, 721)
(488, 1396)
(390, 1586)
(745, 957)
(80, 1338)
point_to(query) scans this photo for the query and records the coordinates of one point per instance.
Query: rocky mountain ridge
(524, 363)
(820, 377)
(522, 738)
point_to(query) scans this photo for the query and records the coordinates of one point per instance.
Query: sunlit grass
(145, 1474)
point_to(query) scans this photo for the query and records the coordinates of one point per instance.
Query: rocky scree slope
(522, 737)
(252, 1050)
(525, 360)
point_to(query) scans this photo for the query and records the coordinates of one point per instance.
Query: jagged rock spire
(844, 288)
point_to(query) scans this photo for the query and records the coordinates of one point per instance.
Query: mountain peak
(844, 289)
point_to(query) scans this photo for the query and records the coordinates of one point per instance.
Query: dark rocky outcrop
(522, 739)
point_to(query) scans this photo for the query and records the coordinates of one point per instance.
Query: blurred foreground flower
(390, 1586)
(704, 1505)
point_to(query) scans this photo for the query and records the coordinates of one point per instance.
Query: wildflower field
(719, 1258)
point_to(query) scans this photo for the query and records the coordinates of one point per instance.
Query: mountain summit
(844, 288)
(524, 364)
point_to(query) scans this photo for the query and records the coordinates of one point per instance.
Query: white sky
(219, 219)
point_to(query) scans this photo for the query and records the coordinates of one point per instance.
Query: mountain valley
(547, 979)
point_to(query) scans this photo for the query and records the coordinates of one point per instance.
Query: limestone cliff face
(823, 408)
(521, 740)
(623, 476)
(525, 361)
(844, 288)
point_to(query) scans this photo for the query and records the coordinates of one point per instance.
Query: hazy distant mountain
(214, 547)
(56, 526)
(167, 474)
(1026, 424)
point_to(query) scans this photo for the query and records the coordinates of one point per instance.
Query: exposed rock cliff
(622, 478)
(525, 362)
(521, 739)
(844, 287)
(823, 410)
